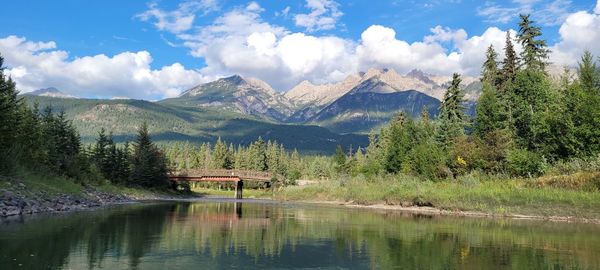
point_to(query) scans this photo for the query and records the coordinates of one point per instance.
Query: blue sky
(155, 49)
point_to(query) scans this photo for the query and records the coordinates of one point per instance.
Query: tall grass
(472, 192)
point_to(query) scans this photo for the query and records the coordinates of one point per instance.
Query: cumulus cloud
(379, 47)
(241, 42)
(323, 15)
(178, 20)
(597, 9)
(580, 32)
(35, 65)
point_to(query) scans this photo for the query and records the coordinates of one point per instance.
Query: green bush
(526, 163)
(426, 160)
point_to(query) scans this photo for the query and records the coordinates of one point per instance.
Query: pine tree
(490, 72)
(30, 138)
(452, 116)
(259, 155)
(489, 113)
(339, 158)
(583, 106)
(221, 156)
(535, 52)
(149, 168)
(9, 118)
(510, 63)
(588, 73)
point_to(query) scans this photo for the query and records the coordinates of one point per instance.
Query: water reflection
(229, 235)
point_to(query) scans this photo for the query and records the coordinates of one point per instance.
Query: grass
(30, 183)
(33, 184)
(474, 192)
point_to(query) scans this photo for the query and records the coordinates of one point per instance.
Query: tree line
(45, 141)
(524, 122)
(259, 155)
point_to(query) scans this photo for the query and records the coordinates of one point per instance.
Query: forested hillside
(170, 123)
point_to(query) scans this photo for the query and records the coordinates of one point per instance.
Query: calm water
(255, 235)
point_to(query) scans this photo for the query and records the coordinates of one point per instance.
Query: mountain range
(312, 118)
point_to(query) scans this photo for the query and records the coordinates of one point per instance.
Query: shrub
(525, 163)
(465, 155)
(426, 160)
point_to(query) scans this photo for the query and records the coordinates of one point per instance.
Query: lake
(223, 234)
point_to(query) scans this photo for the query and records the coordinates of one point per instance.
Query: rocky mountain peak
(420, 75)
(235, 79)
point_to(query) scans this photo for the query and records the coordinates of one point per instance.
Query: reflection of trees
(48, 242)
(263, 232)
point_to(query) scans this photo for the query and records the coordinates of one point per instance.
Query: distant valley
(307, 117)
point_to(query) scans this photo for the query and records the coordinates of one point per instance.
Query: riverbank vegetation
(532, 148)
(41, 146)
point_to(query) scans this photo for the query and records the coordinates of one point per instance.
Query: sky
(157, 49)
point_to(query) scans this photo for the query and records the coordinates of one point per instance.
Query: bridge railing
(234, 173)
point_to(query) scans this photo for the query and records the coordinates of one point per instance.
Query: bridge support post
(239, 185)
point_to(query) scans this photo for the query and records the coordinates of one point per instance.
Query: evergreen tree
(30, 138)
(583, 105)
(339, 158)
(149, 168)
(510, 63)
(259, 155)
(588, 73)
(490, 72)
(535, 51)
(488, 111)
(452, 116)
(222, 158)
(9, 118)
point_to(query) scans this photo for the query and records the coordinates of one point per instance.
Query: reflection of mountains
(219, 235)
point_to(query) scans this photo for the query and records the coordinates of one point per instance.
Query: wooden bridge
(186, 178)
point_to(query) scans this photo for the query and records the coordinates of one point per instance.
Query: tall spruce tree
(535, 51)
(584, 104)
(222, 158)
(510, 64)
(489, 111)
(9, 118)
(588, 73)
(149, 168)
(452, 115)
(490, 72)
(259, 155)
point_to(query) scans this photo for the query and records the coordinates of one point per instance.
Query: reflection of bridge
(184, 178)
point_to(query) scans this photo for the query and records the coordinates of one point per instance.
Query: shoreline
(12, 205)
(433, 211)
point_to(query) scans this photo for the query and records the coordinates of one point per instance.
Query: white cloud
(543, 12)
(323, 15)
(597, 9)
(379, 47)
(240, 42)
(179, 20)
(580, 32)
(35, 65)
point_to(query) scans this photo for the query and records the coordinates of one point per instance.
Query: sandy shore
(426, 210)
